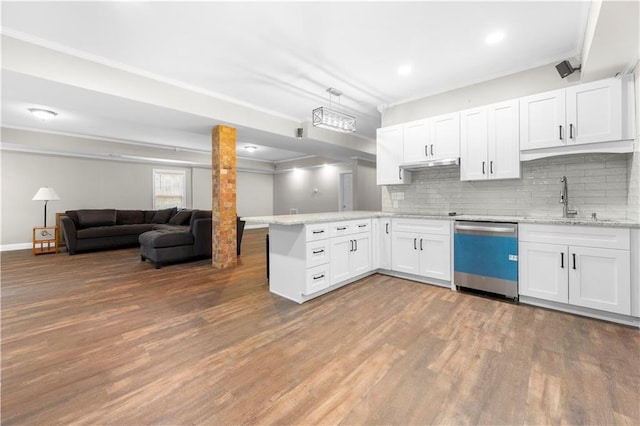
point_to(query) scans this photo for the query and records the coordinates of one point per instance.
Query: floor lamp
(45, 194)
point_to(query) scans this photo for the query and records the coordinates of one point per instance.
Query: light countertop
(302, 219)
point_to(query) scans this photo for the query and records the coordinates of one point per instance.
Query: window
(169, 189)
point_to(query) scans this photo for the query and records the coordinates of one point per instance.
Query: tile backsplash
(597, 183)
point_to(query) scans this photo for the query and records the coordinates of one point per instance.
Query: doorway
(346, 192)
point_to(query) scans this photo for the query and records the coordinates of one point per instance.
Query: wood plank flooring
(102, 338)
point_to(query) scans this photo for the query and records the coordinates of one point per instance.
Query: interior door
(346, 192)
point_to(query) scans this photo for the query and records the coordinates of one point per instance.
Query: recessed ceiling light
(404, 70)
(42, 114)
(494, 37)
(250, 148)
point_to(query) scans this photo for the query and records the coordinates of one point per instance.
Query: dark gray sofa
(103, 229)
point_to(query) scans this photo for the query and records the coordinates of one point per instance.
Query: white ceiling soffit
(279, 57)
(613, 39)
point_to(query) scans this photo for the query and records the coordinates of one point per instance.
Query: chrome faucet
(564, 199)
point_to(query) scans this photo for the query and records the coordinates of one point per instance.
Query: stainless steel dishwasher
(486, 257)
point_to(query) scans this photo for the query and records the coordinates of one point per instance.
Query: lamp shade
(45, 194)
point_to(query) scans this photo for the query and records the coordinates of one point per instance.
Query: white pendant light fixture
(250, 148)
(43, 114)
(329, 118)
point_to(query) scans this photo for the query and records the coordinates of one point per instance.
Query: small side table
(45, 240)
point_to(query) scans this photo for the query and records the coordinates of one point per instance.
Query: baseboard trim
(13, 247)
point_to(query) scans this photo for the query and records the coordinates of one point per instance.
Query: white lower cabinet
(383, 246)
(350, 256)
(600, 279)
(582, 266)
(543, 271)
(422, 247)
(306, 261)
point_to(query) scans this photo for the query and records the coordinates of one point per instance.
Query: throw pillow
(89, 218)
(129, 217)
(181, 218)
(162, 216)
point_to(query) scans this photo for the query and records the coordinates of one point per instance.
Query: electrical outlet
(395, 204)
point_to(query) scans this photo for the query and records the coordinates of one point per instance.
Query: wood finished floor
(104, 338)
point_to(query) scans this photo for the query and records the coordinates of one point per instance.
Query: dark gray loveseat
(103, 229)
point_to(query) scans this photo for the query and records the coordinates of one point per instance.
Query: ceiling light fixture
(328, 118)
(404, 70)
(494, 37)
(250, 148)
(42, 114)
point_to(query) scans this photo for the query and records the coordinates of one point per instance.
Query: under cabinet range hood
(430, 163)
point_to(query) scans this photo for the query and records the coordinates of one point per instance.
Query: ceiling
(277, 58)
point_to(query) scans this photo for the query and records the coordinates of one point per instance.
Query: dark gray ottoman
(169, 245)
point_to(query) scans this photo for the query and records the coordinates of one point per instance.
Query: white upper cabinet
(594, 112)
(564, 121)
(432, 138)
(444, 136)
(473, 144)
(503, 142)
(489, 146)
(389, 156)
(542, 120)
(416, 141)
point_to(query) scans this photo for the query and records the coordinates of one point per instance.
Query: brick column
(223, 200)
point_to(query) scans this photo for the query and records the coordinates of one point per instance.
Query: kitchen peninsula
(313, 254)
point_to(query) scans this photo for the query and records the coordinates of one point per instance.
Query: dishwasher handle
(482, 228)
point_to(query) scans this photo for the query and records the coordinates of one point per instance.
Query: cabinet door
(444, 136)
(416, 141)
(360, 257)
(594, 112)
(389, 155)
(435, 256)
(404, 257)
(384, 244)
(473, 144)
(600, 279)
(543, 271)
(503, 140)
(341, 248)
(542, 120)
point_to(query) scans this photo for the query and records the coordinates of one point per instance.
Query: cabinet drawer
(423, 226)
(349, 227)
(317, 253)
(584, 236)
(317, 231)
(318, 278)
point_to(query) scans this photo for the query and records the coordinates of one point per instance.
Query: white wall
(367, 194)
(254, 196)
(92, 183)
(513, 86)
(296, 189)
(81, 183)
